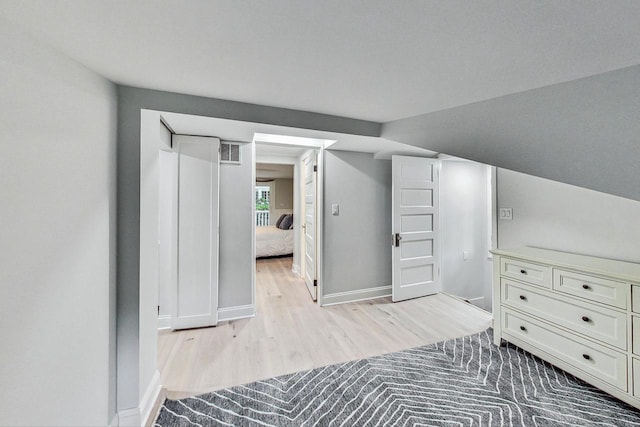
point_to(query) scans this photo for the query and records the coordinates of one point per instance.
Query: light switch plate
(335, 209)
(506, 213)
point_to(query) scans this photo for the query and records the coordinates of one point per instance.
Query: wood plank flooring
(291, 333)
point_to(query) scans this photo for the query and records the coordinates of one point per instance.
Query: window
(263, 214)
(229, 153)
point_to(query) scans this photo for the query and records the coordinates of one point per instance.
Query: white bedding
(271, 241)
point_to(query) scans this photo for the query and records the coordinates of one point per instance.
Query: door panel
(196, 290)
(310, 226)
(416, 254)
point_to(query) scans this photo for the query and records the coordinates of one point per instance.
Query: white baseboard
(136, 417)
(149, 398)
(234, 313)
(296, 269)
(129, 418)
(164, 322)
(478, 302)
(359, 295)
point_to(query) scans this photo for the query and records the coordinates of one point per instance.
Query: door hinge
(315, 168)
(315, 282)
(158, 310)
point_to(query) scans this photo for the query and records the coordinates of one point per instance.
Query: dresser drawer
(597, 289)
(596, 360)
(596, 322)
(635, 332)
(525, 271)
(635, 298)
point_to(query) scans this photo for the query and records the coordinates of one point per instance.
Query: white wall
(357, 248)
(559, 216)
(464, 222)
(57, 228)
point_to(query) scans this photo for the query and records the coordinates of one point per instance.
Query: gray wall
(57, 228)
(558, 216)
(281, 199)
(464, 221)
(585, 132)
(283, 194)
(130, 102)
(357, 249)
(235, 266)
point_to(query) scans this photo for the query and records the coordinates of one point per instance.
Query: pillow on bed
(286, 223)
(279, 221)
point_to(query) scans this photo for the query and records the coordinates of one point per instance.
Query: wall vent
(229, 153)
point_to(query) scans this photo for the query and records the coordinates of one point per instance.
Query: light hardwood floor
(290, 333)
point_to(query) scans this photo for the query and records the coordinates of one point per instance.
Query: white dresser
(580, 313)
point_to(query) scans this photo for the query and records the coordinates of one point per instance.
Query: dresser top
(627, 271)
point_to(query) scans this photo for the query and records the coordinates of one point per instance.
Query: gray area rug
(461, 382)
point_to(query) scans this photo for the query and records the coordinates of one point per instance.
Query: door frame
(303, 205)
(298, 224)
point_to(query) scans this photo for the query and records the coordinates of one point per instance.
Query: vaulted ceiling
(378, 60)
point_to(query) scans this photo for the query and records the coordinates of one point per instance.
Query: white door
(416, 245)
(196, 291)
(309, 225)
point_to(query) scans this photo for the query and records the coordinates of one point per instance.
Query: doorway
(286, 220)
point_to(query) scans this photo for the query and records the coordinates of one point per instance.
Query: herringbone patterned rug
(465, 381)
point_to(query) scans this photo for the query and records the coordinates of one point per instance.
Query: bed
(272, 241)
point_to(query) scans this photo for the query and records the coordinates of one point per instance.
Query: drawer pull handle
(522, 328)
(585, 319)
(523, 271)
(523, 298)
(586, 356)
(585, 286)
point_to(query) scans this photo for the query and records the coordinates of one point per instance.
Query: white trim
(114, 421)
(493, 243)
(320, 226)
(359, 295)
(457, 298)
(295, 269)
(149, 398)
(239, 312)
(275, 159)
(129, 418)
(478, 302)
(253, 230)
(164, 322)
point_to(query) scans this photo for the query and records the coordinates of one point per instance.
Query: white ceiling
(372, 59)
(233, 130)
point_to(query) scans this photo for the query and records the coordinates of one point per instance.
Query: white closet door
(196, 290)
(416, 251)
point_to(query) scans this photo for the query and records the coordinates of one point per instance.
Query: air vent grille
(229, 153)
